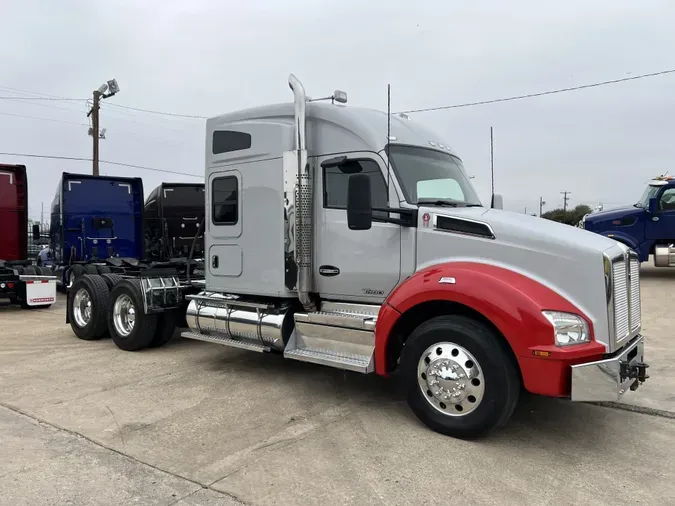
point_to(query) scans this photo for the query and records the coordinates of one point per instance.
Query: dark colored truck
(20, 281)
(99, 228)
(648, 226)
(173, 216)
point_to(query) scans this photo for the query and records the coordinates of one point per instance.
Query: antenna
(388, 133)
(492, 170)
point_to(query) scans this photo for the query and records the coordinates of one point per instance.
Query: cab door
(355, 265)
(661, 225)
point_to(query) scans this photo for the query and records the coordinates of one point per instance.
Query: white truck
(354, 239)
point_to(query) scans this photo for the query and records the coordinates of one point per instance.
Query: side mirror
(359, 205)
(497, 201)
(653, 205)
(36, 232)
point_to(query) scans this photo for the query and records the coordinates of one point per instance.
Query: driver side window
(667, 200)
(335, 183)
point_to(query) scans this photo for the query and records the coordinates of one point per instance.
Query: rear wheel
(111, 279)
(461, 380)
(103, 269)
(74, 272)
(166, 326)
(130, 328)
(87, 307)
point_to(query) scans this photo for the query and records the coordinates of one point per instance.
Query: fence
(37, 241)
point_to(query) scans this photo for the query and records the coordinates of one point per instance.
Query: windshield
(184, 196)
(427, 174)
(649, 192)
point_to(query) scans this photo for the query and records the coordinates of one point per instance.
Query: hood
(613, 214)
(567, 259)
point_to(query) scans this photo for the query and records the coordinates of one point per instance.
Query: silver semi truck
(354, 239)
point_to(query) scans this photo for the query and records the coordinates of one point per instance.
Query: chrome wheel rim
(124, 315)
(451, 379)
(82, 308)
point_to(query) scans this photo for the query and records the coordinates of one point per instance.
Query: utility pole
(541, 205)
(94, 126)
(565, 199)
(112, 87)
(42, 213)
(525, 210)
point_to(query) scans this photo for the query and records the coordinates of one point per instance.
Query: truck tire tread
(111, 279)
(144, 325)
(166, 326)
(98, 292)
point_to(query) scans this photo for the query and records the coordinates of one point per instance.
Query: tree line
(571, 217)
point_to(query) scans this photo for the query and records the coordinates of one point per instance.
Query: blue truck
(98, 245)
(648, 226)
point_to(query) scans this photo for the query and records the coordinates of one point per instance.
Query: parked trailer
(20, 281)
(349, 238)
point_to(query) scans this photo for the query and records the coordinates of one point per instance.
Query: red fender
(511, 301)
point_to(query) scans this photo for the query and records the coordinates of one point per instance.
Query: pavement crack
(46, 423)
(119, 429)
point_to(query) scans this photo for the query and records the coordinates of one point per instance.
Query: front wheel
(461, 380)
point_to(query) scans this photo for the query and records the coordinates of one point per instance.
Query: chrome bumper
(608, 380)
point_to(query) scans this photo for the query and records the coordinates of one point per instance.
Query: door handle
(214, 261)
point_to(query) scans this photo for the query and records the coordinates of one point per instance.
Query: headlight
(568, 328)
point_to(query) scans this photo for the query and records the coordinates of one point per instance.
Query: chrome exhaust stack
(303, 199)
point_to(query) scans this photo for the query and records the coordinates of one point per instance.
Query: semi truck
(353, 238)
(647, 227)
(21, 282)
(174, 213)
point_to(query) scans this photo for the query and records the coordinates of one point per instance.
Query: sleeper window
(225, 201)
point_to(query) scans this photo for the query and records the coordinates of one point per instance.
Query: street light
(112, 88)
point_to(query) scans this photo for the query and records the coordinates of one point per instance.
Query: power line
(43, 119)
(541, 94)
(44, 98)
(109, 162)
(158, 112)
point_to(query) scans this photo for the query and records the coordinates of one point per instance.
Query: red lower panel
(545, 376)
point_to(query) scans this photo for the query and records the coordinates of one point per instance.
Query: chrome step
(242, 343)
(336, 339)
(349, 362)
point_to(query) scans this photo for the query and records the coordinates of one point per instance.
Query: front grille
(635, 308)
(621, 312)
(625, 297)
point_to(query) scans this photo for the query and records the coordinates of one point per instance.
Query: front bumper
(609, 379)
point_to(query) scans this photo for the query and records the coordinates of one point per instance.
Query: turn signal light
(538, 353)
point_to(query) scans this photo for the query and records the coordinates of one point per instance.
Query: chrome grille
(621, 311)
(635, 309)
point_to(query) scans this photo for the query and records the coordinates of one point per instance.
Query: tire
(47, 271)
(90, 269)
(88, 324)
(19, 269)
(468, 347)
(111, 279)
(166, 326)
(74, 272)
(102, 269)
(38, 270)
(137, 334)
(29, 270)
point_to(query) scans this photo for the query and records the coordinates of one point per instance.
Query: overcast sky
(206, 57)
